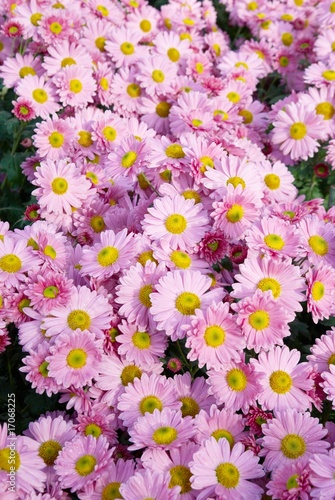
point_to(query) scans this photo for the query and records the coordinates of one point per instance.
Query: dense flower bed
(167, 299)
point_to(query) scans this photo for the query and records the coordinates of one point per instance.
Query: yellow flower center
(298, 131)
(59, 185)
(266, 284)
(329, 75)
(331, 360)
(79, 319)
(187, 302)
(332, 7)
(252, 6)
(272, 181)
(175, 151)
(97, 223)
(85, 139)
(224, 434)
(206, 162)
(228, 475)
(158, 76)
(103, 10)
(111, 491)
(196, 123)
(127, 48)
(43, 369)
(217, 49)
(180, 259)
(189, 194)
(100, 43)
(259, 320)
(173, 55)
(49, 251)
(274, 241)
(26, 70)
(317, 290)
(93, 430)
(22, 304)
(49, 451)
(8, 459)
(56, 139)
(280, 382)
(199, 68)
(145, 25)
(75, 86)
(145, 257)
(236, 181)
(236, 379)
(68, 61)
(104, 83)
(144, 295)
(233, 97)
(50, 292)
(247, 116)
(165, 435)
(76, 358)
(85, 465)
(128, 159)
(133, 90)
(326, 109)
(287, 39)
(10, 263)
(284, 61)
(56, 28)
(40, 96)
(109, 133)
(293, 446)
(189, 407)
(107, 256)
(214, 336)
(180, 476)
(292, 482)
(176, 224)
(235, 213)
(163, 110)
(141, 340)
(35, 18)
(150, 404)
(318, 244)
(129, 373)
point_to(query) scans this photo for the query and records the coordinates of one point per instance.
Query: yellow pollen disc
(43, 369)
(326, 109)
(146, 257)
(196, 123)
(93, 430)
(97, 223)
(329, 75)
(75, 86)
(247, 116)
(164, 435)
(175, 151)
(35, 18)
(188, 22)
(252, 6)
(173, 55)
(68, 61)
(129, 373)
(167, 23)
(236, 181)
(13, 30)
(260, 54)
(280, 382)
(100, 43)
(333, 46)
(287, 39)
(180, 259)
(284, 61)
(217, 49)
(185, 36)
(293, 446)
(189, 194)
(56, 139)
(10, 263)
(235, 213)
(259, 320)
(22, 304)
(103, 10)
(50, 292)
(163, 110)
(141, 340)
(85, 139)
(189, 407)
(332, 8)
(40, 96)
(144, 295)
(32, 243)
(109, 133)
(149, 404)
(78, 319)
(266, 24)
(145, 25)
(111, 491)
(274, 241)
(214, 336)
(241, 64)
(266, 284)
(224, 434)
(24, 110)
(236, 379)
(298, 131)
(128, 159)
(317, 290)
(56, 28)
(85, 465)
(331, 360)
(26, 70)
(49, 251)
(180, 476)
(104, 83)
(59, 185)
(228, 475)
(286, 17)
(48, 451)
(176, 224)
(292, 482)
(233, 97)
(272, 181)
(318, 244)
(134, 90)
(199, 68)
(58, 5)
(127, 48)
(107, 256)
(158, 76)
(76, 359)
(187, 302)
(8, 459)
(206, 162)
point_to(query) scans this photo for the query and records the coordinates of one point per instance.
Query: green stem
(18, 137)
(182, 355)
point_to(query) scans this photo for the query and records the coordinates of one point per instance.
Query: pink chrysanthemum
(111, 480)
(82, 461)
(146, 482)
(65, 54)
(213, 247)
(53, 138)
(99, 421)
(76, 86)
(291, 482)
(320, 292)
(219, 470)
(137, 343)
(23, 109)
(194, 396)
(213, 337)
(318, 240)
(255, 418)
(123, 47)
(290, 436)
(278, 182)
(323, 351)
(156, 75)
(36, 369)
(177, 296)
(49, 291)
(41, 93)
(323, 475)
(16, 259)
(220, 424)
(328, 385)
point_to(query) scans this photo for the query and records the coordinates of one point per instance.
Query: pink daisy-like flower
(23, 109)
(220, 424)
(219, 470)
(61, 186)
(139, 344)
(146, 394)
(178, 259)
(191, 113)
(53, 138)
(255, 418)
(297, 130)
(180, 222)
(213, 247)
(263, 323)
(322, 476)
(99, 421)
(318, 240)
(127, 158)
(123, 47)
(323, 351)
(285, 382)
(236, 213)
(107, 131)
(277, 182)
(213, 337)
(76, 86)
(156, 75)
(111, 480)
(109, 255)
(177, 296)
(193, 395)
(329, 383)
(290, 436)
(74, 359)
(41, 93)
(86, 310)
(36, 369)
(165, 429)
(146, 482)
(82, 461)
(291, 482)
(282, 278)
(49, 291)
(16, 259)
(235, 385)
(320, 292)
(15, 69)
(65, 54)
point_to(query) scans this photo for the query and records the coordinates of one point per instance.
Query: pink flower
(36, 369)
(15, 261)
(24, 109)
(322, 476)
(138, 343)
(76, 86)
(320, 292)
(323, 351)
(221, 424)
(146, 482)
(291, 482)
(112, 479)
(41, 93)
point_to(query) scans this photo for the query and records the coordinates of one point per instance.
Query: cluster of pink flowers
(154, 165)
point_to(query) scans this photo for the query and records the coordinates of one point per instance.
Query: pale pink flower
(76, 86)
(320, 292)
(146, 482)
(323, 351)
(220, 424)
(138, 343)
(322, 476)
(53, 138)
(41, 93)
